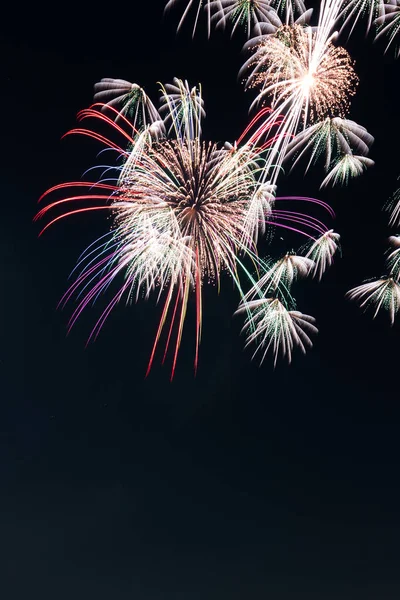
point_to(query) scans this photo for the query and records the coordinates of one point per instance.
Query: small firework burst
(381, 294)
(272, 327)
(322, 251)
(246, 14)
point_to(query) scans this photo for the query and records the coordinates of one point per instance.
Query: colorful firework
(180, 207)
(185, 211)
(248, 14)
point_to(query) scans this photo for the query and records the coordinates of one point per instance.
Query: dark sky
(243, 482)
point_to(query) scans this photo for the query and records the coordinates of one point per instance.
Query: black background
(243, 481)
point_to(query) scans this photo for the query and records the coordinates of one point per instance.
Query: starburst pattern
(291, 68)
(180, 208)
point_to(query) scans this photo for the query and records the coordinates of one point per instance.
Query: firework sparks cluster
(187, 212)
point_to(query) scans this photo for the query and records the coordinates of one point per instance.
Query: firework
(241, 13)
(132, 99)
(195, 6)
(288, 8)
(277, 276)
(328, 138)
(389, 24)
(393, 205)
(180, 208)
(322, 251)
(271, 327)
(382, 294)
(310, 81)
(354, 10)
(290, 67)
(346, 167)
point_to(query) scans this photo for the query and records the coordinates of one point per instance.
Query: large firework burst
(180, 206)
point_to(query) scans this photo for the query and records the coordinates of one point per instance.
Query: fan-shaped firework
(346, 167)
(240, 13)
(322, 251)
(131, 97)
(382, 294)
(277, 276)
(330, 137)
(270, 326)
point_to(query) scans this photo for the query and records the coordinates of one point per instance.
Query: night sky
(241, 482)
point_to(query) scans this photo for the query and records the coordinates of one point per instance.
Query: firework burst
(345, 168)
(247, 14)
(329, 138)
(322, 251)
(292, 68)
(180, 207)
(272, 327)
(382, 294)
